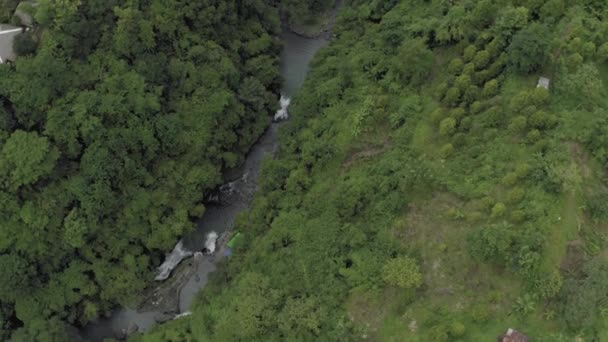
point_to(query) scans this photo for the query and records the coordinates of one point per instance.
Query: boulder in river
(132, 329)
(162, 317)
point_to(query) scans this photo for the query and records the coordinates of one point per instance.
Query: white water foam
(211, 242)
(282, 113)
(176, 256)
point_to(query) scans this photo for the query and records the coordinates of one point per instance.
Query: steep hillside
(427, 189)
(110, 135)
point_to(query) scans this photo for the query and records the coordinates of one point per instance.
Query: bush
(528, 50)
(446, 150)
(455, 66)
(469, 69)
(518, 124)
(498, 210)
(462, 82)
(469, 53)
(588, 50)
(597, 205)
(447, 127)
(457, 329)
(402, 272)
(481, 60)
(490, 88)
(602, 52)
(25, 44)
(452, 96)
(515, 195)
(476, 107)
(533, 136)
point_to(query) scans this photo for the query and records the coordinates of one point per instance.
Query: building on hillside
(543, 82)
(512, 335)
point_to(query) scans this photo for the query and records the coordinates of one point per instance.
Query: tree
(490, 88)
(529, 48)
(456, 65)
(481, 60)
(585, 83)
(469, 53)
(582, 299)
(402, 272)
(26, 157)
(52, 330)
(447, 126)
(24, 44)
(413, 62)
(491, 244)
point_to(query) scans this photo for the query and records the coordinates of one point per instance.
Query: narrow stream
(236, 196)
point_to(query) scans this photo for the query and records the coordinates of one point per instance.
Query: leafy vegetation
(426, 189)
(111, 132)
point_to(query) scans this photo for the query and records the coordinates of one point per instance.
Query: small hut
(543, 82)
(513, 335)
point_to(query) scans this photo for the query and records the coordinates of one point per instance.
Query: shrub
(533, 136)
(455, 66)
(462, 82)
(469, 53)
(597, 205)
(402, 272)
(539, 96)
(447, 127)
(469, 69)
(437, 115)
(457, 329)
(446, 150)
(588, 50)
(528, 50)
(481, 60)
(518, 124)
(602, 52)
(471, 94)
(490, 88)
(574, 61)
(457, 113)
(498, 210)
(24, 44)
(452, 96)
(476, 107)
(515, 195)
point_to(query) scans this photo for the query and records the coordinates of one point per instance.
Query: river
(236, 196)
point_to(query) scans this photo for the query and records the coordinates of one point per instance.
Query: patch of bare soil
(575, 257)
(581, 157)
(368, 152)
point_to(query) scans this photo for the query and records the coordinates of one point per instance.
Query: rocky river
(186, 270)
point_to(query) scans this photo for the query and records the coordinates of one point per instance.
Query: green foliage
(402, 272)
(585, 83)
(529, 48)
(491, 244)
(597, 205)
(447, 126)
(7, 8)
(413, 62)
(139, 106)
(25, 44)
(116, 120)
(583, 299)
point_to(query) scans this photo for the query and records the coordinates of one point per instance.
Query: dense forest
(426, 189)
(112, 129)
